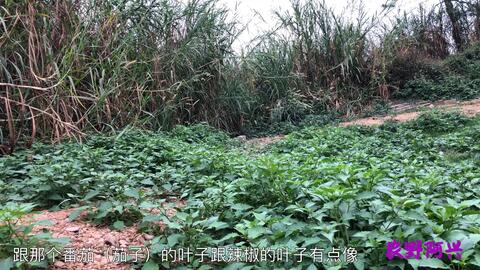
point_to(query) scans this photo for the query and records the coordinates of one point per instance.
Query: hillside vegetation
(69, 67)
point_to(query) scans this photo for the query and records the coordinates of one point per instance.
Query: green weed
(321, 186)
(15, 233)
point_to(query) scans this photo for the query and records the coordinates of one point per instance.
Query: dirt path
(93, 247)
(470, 108)
(259, 143)
(402, 112)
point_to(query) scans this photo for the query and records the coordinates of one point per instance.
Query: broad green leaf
(469, 203)
(226, 238)
(152, 218)
(366, 195)
(118, 225)
(6, 264)
(174, 239)
(241, 207)
(329, 235)
(147, 205)
(431, 263)
(359, 264)
(150, 266)
(455, 235)
(237, 266)
(133, 193)
(75, 214)
(255, 232)
(315, 241)
(470, 241)
(45, 222)
(362, 235)
(218, 225)
(91, 194)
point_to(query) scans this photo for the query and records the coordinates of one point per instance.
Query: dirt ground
(103, 242)
(100, 239)
(263, 141)
(95, 247)
(401, 114)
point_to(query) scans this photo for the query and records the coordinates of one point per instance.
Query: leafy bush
(455, 87)
(439, 121)
(201, 134)
(406, 68)
(286, 127)
(457, 78)
(466, 63)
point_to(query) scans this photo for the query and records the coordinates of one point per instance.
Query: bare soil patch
(403, 112)
(469, 108)
(263, 141)
(84, 235)
(104, 242)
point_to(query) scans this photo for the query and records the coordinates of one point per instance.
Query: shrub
(466, 63)
(453, 86)
(458, 77)
(200, 134)
(439, 121)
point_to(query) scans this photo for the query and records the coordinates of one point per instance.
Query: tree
(456, 27)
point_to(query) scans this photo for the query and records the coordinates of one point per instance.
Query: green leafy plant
(15, 233)
(321, 186)
(439, 121)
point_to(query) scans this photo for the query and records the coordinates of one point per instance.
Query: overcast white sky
(246, 11)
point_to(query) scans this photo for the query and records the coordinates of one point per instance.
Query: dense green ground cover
(326, 187)
(456, 77)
